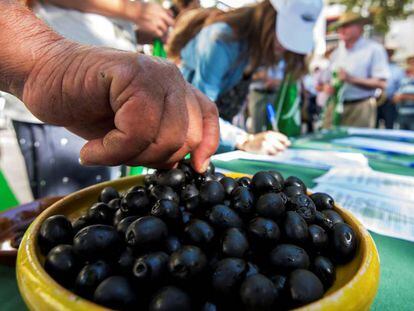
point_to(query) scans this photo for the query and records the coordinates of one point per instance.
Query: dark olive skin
(304, 287)
(90, 277)
(187, 263)
(108, 194)
(288, 257)
(151, 267)
(135, 203)
(97, 242)
(80, 223)
(295, 181)
(62, 265)
(124, 224)
(201, 179)
(126, 261)
(324, 269)
(279, 178)
(168, 211)
(190, 197)
(223, 217)
(172, 244)
(304, 206)
(343, 243)
(174, 178)
(264, 231)
(219, 176)
(322, 201)
(146, 232)
(198, 232)
(270, 205)
(228, 184)
(235, 243)
(251, 269)
(164, 192)
(280, 282)
(187, 169)
(212, 193)
(115, 204)
(209, 306)
(293, 191)
(242, 201)
(227, 276)
(100, 213)
(55, 230)
(186, 216)
(333, 216)
(116, 293)
(258, 293)
(295, 228)
(263, 182)
(244, 181)
(211, 169)
(318, 237)
(170, 298)
(323, 221)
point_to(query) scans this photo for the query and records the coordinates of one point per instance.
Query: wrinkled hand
(343, 75)
(269, 143)
(132, 109)
(153, 19)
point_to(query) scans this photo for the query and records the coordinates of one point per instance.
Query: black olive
(322, 201)
(187, 262)
(251, 269)
(271, 205)
(115, 204)
(135, 203)
(304, 206)
(190, 197)
(108, 194)
(62, 265)
(124, 224)
(146, 232)
(324, 270)
(293, 191)
(224, 217)
(126, 261)
(219, 176)
(119, 215)
(242, 201)
(323, 221)
(279, 178)
(168, 211)
(150, 268)
(304, 287)
(287, 257)
(201, 179)
(227, 276)
(235, 243)
(185, 216)
(174, 178)
(212, 193)
(228, 184)
(211, 169)
(295, 228)
(264, 232)
(115, 292)
(90, 277)
(343, 243)
(199, 232)
(164, 193)
(97, 242)
(295, 181)
(263, 182)
(54, 230)
(172, 244)
(170, 298)
(280, 282)
(333, 216)
(244, 181)
(150, 180)
(186, 167)
(100, 214)
(318, 237)
(80, 223)
(209, 306)
(258, 293)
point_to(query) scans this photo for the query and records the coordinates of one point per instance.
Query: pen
(271, 116)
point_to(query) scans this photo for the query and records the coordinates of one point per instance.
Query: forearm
(368, 83)
(124, 9)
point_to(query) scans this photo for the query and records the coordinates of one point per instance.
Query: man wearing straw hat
(362, 67)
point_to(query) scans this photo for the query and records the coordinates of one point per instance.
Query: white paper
(301, 157)
(376, 144)
(382, 184)
(398, 134)
(390, 217)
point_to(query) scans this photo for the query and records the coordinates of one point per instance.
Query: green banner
(7, 197)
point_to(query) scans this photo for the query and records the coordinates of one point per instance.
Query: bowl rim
(28, 263)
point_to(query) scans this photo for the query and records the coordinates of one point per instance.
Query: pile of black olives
(185, 241)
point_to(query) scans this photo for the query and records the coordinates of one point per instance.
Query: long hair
(253, 24)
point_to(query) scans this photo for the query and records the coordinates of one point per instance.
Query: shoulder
(217, 31)
(374, 46)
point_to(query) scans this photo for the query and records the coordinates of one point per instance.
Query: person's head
(410, 64)
(390, 52)
(181, 5)
(350, 27)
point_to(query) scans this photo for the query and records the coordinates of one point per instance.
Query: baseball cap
(296, 20)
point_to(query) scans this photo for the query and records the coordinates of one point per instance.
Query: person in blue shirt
(219, 51)
(404, 98)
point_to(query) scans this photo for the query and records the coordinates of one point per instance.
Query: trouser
(360, 114)
(51, 155)
(388, 113)
(257, 102)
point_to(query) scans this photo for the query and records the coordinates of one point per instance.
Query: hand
(269, 143)
(328, 89)
(133, 109)
(152, 19)
(343, 75)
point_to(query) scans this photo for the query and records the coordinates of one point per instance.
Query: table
(396, 256)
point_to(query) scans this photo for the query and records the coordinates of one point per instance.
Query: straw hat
(349, 18)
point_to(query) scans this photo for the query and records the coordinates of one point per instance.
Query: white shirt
(366, 59)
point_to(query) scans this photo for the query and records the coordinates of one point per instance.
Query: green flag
(335, 105)
(287, 107)
(7, 197)
(158, 49)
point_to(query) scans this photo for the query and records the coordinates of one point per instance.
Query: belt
(356, 101)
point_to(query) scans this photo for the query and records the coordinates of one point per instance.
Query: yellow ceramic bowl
(354, 289)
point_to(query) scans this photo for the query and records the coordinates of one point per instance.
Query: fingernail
(205, 165)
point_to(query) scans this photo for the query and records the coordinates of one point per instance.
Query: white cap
(295, 22)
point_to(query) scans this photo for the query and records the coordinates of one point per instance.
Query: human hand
(269, 143)
(343, 75)
(132, 109)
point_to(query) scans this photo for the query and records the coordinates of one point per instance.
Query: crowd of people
(116, 106)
